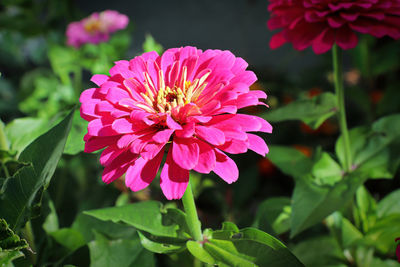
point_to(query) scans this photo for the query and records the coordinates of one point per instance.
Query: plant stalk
(192, 218)
(339, 89)
(28, 234)
(3, 138)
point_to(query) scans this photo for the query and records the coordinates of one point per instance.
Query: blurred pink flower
(96, 28)
(321, 23)
(183, 102)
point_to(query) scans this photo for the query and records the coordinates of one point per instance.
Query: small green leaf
(344, 231)
(312, 111)
(118, 252)
(247, 247)
(389, 204)
(69, 238)
(161, 244)
(63, 61)
(374, 151)
(230, 226)
(273, 215)
(22, 192)
(290, 161)
(198, 251)
(146, 216)
(365, 208)
(326, 171)
(51, 222)
(151, 45)
(75, 143)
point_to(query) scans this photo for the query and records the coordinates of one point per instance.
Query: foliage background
(42, 79)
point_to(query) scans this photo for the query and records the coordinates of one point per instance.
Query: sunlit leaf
(147, 216)
(22, 192)
(389, 204)
(312, 111)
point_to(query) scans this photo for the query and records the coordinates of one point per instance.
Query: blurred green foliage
(299, 195)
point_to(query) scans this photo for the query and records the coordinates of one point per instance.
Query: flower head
(321, 23)
(183, 102)
(96, 28)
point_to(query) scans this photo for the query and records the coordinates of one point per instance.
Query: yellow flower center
(167, 98)
(93, 25)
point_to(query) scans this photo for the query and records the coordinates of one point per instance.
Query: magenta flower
(96, 28)
(183, 102)
(321, 23)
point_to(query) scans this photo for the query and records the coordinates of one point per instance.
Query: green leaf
(63, 61)
(118, 252)
(224, 252)
(273, 215)
(326, 171)
(344, 231)
(374, 151)
(365, 208)
(249, 247)
(6, 257)
(151, 45)
(9, 241)
(161, 244)
(290, 161)
(10, 245)
(376, 262)
(383, 234)
(312, 111)
(86, 225)
(75, 143)
(313, 202)
(22, 192)
(69, 238)
(198, 251)
(23, 131)
(147, 216)
(389, 204)
(51, 222)
(319, 251)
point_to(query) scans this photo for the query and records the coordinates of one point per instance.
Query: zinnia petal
(142, 172)
(174, 179)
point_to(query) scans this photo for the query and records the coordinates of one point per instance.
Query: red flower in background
(398, 249)
(321, 23)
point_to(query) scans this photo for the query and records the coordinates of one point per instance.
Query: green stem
(28, 234)
(192, 219)
(3, 146)
(3, 138)
(338, 81)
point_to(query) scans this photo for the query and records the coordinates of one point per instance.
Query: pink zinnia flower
(321, 23)
(96, 28)
(183, 102)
